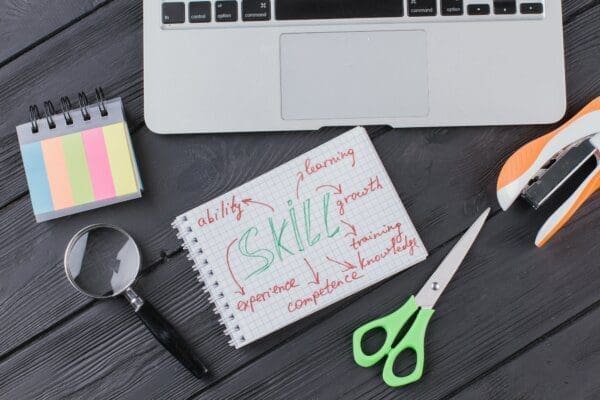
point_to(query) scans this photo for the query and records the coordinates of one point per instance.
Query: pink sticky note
(98, 164)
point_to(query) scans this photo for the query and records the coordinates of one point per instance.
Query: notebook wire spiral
(298, 238)
(78, 158)
(66, 108)
(209, 280)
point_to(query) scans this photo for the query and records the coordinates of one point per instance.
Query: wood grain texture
(105, 45)
(57, 343)
(24, 23)
(104, 50)
(573, 8)
(506, 294)
(564, 366)
(105, 352)
(207, 168)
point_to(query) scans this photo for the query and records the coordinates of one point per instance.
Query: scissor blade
(430, 293)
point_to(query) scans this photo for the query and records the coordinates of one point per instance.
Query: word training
(357, 243)
(296, 239)
(399, 243)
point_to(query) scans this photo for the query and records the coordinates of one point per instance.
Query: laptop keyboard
(268, 12)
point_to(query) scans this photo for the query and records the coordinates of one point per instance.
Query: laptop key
(337, 9)
(422, 8)
(532, 8)
(226, 11)
(478, 9)
(452, 7)
(173, 13)
(505, 7)
(256, 10)
(199, 11)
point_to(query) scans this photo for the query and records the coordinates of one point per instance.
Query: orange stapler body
(537, 169)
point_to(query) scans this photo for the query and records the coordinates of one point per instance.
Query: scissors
(423, 303)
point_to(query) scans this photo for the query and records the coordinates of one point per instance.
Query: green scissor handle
(413, 340)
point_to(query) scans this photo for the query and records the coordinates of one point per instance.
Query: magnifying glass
(103, 261)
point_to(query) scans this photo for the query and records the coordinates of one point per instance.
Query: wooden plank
(505, 295)
(195, 159)
(229, 359)
(406, 156)
(114, 63)
(107, 47)
(280, 384)
(104, 351)
(175, 181)
(564, 366)
(24, 24)
(220, 169)
(104, 50)
(573, 8)
(75, 359)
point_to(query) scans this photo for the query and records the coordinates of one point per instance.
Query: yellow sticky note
(119, 158)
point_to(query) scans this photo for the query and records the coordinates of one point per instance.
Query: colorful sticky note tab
(97, 156)
(37, 178)
(58, 176)
(82, 170)
(77, 168)
(119, 156)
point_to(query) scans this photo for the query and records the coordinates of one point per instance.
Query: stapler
(542, 166)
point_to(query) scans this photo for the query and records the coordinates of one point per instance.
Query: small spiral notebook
(300, 237)
(78, 159)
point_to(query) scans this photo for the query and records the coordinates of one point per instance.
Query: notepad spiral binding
(65, 108)
(206, 276)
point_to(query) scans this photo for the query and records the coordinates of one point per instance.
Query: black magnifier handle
(166, 334)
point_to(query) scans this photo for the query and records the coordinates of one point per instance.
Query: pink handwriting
(252, 300)
(373, 186)
(328, 288)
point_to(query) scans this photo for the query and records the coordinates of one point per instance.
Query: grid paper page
(300, 237)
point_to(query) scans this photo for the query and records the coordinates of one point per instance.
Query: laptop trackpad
(340, 75)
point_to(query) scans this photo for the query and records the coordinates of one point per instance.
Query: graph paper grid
(305, 226)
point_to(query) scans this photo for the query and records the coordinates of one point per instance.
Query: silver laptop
(276, 65)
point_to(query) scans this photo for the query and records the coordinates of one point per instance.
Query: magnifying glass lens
(103, 261)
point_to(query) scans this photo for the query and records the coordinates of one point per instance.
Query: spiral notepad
(299, 238)
(78, 159)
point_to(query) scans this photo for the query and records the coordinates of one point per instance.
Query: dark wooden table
(516, 323)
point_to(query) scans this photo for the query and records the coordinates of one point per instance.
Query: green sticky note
(77, 168)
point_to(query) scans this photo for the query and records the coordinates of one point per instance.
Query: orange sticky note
(58, 176)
